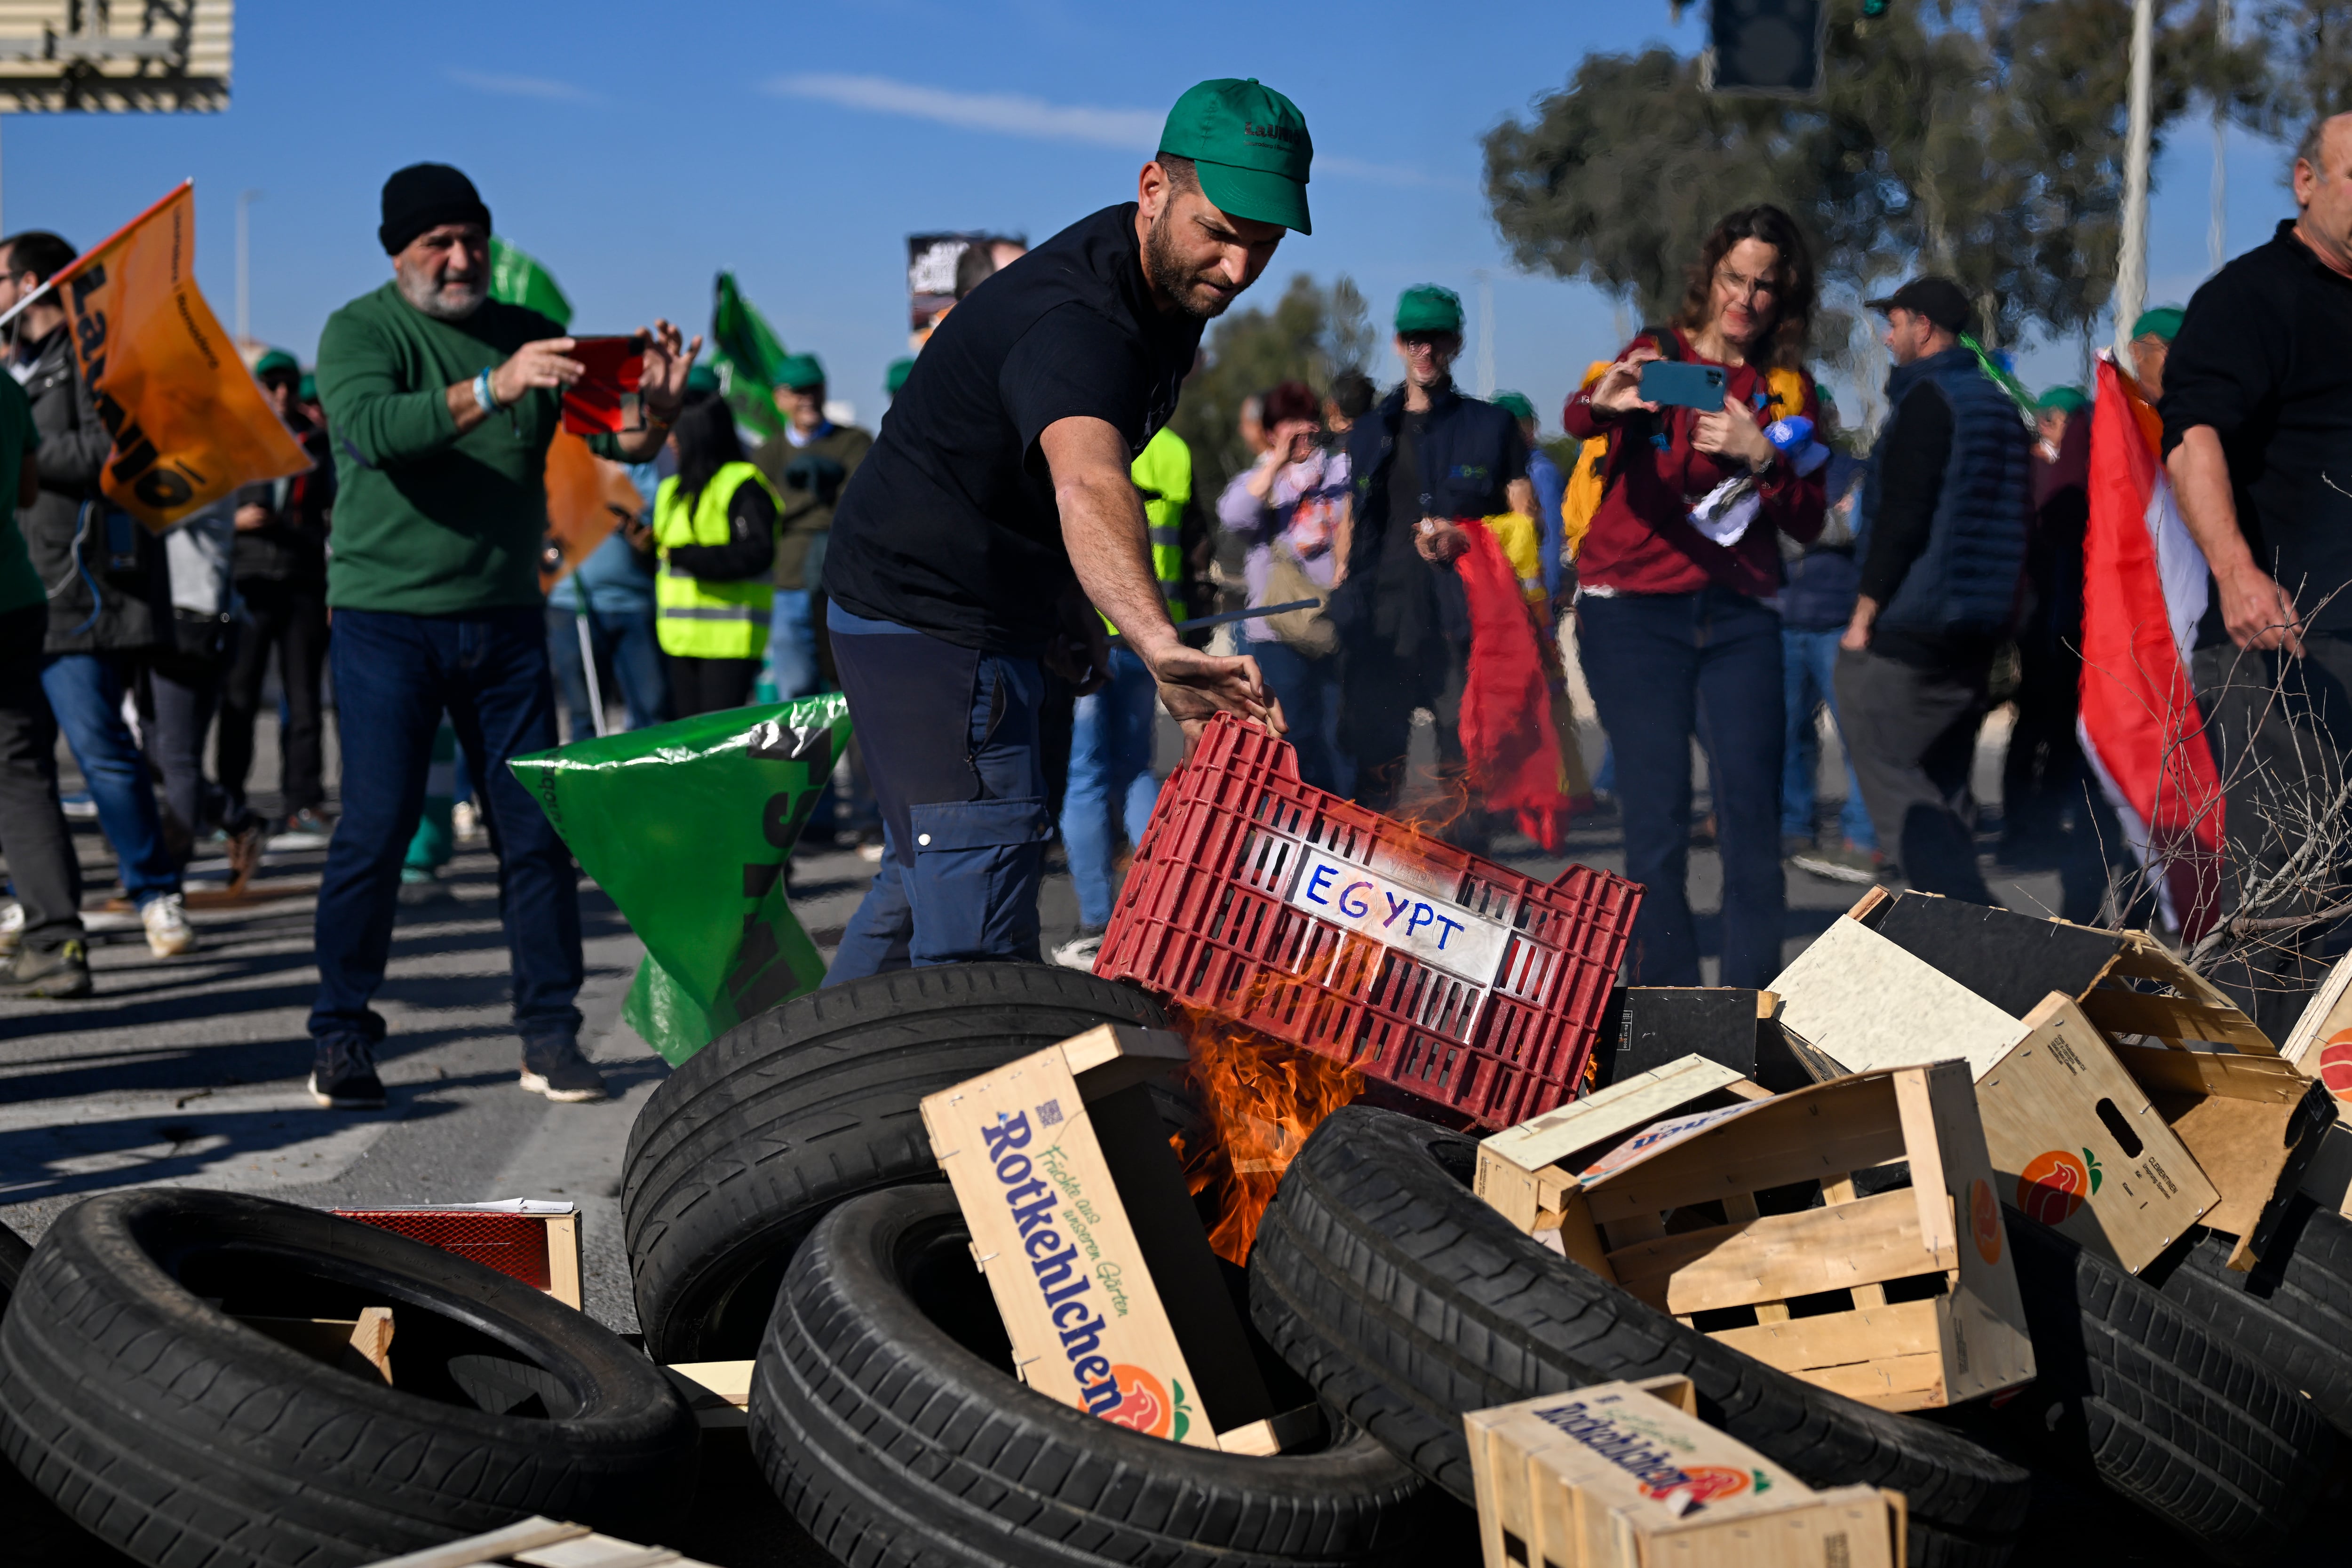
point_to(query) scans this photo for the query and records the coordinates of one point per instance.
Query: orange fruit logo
(1984, 1220)
(1143, 1403)
(2336, 1064)
(2052, 1185)
(1706, 1484)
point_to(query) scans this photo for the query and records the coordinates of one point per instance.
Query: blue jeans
(950, 737)
(85, 691)
(1662, 668)
(395, 675)
(1309, 689)
(1808, 658)
(626, 651)
(791, 644)
(1110, 773)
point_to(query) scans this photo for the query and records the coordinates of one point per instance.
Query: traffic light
(1766, 46)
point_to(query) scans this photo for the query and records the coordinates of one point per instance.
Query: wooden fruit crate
(1900, 1296)
(1625, 1475)
(1093, 1250)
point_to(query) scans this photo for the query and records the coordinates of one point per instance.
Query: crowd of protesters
(1730, 573)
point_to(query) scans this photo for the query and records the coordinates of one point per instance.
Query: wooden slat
(1608, 1116)
(2326, 1013)
(1813, 1132)
(1782, 1256)
(371, 1338)
(1861, 1000)
(2172, 1018)
(1896, 1383)
(490, 1547)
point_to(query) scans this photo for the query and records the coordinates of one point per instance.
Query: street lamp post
(245, 200)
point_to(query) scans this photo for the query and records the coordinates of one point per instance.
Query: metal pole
(2216, 241)
(1486, 333)
(2131, 263)
(245, 200)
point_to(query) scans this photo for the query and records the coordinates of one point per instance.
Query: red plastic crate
(1323, 924)
(513, 1243)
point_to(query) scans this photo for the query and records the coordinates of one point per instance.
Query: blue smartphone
(1683, 384)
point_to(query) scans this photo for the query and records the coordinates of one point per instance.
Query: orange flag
(189, 422)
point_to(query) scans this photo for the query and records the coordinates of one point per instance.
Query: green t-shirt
(19, 584)
(427, 521)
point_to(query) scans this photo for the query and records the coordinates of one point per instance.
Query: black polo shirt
(2265, 356)
(950, 525)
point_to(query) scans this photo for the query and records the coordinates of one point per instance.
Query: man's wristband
(484, 397)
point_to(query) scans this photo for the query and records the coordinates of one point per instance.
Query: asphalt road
(190, 1071)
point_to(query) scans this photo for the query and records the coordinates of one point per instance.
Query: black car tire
(38, 1535)
(2134, 1389)
(746, 1145)
(1405, 1300)
(188, 1439)
(885, 1414)
(2292, 1312)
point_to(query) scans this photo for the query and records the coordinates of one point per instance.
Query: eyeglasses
(1740, 288)
(1425, 340)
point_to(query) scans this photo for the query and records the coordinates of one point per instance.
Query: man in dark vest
(1947, 508)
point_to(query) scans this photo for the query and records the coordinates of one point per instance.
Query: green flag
(748, 356)
(517, 279)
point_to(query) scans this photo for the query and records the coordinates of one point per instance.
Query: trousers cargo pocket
(973, 889)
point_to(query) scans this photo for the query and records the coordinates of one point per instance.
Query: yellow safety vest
(695, 619)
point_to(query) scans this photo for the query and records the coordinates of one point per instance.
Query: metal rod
(2131, 261)
(1201, 622)
(2216, 241)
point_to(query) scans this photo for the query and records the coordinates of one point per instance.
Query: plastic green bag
(688, 827)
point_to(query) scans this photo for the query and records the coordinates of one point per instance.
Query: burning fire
(1259, 1101)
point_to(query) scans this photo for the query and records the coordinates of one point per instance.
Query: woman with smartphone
(1291, 510)
(714, 525)
(1675, 622)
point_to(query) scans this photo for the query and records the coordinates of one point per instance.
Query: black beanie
(426, 196)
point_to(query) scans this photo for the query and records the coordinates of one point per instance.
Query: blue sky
(637, 151)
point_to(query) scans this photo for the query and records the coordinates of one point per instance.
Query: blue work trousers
(1111, 786)
(85, 691)
(1664, 668)
(950, 737)
(395, 676)
(791, 644)
(1808, 661)
(1309, 689)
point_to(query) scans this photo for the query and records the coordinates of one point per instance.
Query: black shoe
(552, 1066)
(60, 972)
(342, 1076)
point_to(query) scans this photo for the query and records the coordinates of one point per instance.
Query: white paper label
(1434, 930)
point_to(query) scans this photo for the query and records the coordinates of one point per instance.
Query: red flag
(1507, 729)
(2143, 587)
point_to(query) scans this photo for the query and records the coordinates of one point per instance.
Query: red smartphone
(605, 400)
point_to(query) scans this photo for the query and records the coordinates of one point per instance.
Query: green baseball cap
(309, 391)
(2163, 321)
(896, 376)
(277, 361)
(800, 371)
(1517, 403)
(701, 377)
(1251, 147)
(2066, 399)
(1426, 308)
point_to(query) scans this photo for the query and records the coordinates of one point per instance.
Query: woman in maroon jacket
(1674, 623)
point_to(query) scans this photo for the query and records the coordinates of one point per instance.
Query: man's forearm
(2200, 471)
(1108, 539)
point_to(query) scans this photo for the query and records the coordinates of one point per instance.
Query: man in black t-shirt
(995, 515)
(2257, 407)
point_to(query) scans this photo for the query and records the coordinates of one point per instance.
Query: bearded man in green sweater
(442, 402)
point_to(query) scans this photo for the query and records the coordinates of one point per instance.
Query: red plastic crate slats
(512, 1243)
(1215, 915)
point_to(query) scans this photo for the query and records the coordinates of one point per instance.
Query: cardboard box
(1903, 977)
(1624, 1475)
(1093, 1250)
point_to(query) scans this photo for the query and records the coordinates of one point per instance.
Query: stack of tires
(143, 1413)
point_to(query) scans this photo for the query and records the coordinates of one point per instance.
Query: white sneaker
(1079, 952)
(465, 821)
(12, 929)
(169, 934)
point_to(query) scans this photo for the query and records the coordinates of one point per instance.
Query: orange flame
(1259, 1101)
